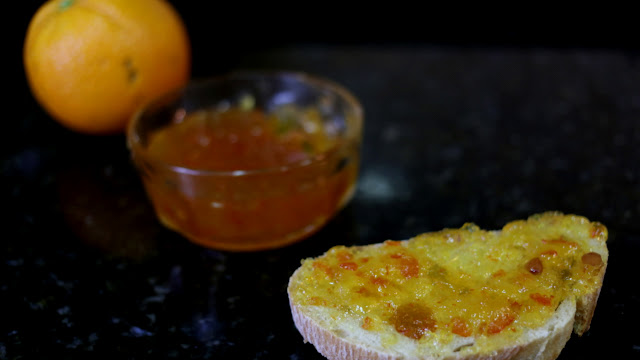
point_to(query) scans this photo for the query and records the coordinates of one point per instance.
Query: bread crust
(586, 307)
(543, 343)
(328, 344)
(334, 347)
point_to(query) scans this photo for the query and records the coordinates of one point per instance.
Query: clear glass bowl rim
(137, 150)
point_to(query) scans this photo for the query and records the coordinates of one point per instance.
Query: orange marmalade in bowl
(260, 160)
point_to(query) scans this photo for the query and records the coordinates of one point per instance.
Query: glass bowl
(249, 160)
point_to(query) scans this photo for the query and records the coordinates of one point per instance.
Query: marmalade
(467, 281)
(242, 179)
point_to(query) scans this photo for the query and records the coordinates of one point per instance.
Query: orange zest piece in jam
(459, 327)
(407, 264)
(501, 319)
(541, 299)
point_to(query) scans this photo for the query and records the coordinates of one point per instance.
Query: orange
(91, 63)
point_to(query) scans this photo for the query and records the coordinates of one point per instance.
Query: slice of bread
(515, 293)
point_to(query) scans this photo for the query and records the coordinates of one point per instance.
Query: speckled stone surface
(451, 136)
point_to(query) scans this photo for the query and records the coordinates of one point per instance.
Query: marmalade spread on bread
(466, 282)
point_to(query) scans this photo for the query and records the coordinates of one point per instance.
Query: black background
(472, 114)
(223, 33)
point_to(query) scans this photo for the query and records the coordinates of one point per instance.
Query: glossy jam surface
(466, 281)
(244, 180)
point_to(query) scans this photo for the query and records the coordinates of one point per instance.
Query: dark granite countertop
(451, 135)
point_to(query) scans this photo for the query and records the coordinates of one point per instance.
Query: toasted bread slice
(515, 293)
